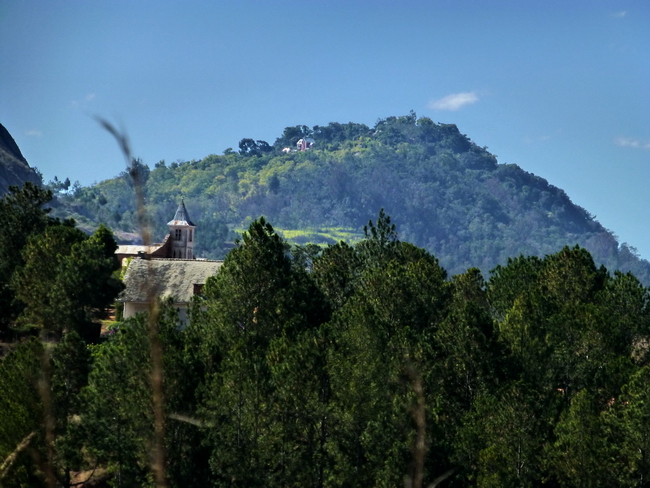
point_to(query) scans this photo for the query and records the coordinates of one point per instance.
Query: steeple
(181, 216)
(181, 232)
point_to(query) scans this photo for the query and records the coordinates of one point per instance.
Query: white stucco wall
(132, 308)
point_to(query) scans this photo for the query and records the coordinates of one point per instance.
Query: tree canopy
(353, 365)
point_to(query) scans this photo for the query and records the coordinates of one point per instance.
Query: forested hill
(444, 192)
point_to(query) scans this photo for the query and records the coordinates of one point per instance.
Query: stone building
(150, 279)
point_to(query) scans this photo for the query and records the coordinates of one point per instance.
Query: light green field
(320, 236)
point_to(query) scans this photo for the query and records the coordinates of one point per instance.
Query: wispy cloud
(86, 100)
(454, 101)
(33, 133)
(619, 15)
(632, 142)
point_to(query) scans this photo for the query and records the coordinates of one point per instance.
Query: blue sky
(560, 88)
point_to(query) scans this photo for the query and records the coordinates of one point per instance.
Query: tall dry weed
(158, 454)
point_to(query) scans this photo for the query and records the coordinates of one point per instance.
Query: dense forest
(360, 364)
(451, 196)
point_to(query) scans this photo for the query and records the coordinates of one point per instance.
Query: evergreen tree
(383, 336)
(259, 328)
(67, 280)
(118, 434)
(22, 436)
(21, 216)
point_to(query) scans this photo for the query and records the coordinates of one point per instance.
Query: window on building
(177, 235)
(190, 235)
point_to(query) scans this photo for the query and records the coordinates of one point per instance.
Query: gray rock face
(14, 169)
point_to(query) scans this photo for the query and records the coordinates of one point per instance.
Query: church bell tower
(181, 232)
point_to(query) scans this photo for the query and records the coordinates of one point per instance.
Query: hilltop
(445, 193)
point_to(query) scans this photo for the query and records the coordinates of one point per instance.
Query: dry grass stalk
(158, 462)
(44, 386)
(420, 448)
(419, 416)
(6, 464)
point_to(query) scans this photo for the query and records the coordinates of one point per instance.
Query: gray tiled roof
(135, 249)
(181, 216)
(164, 278)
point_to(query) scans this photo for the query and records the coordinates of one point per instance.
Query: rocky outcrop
(14, 169)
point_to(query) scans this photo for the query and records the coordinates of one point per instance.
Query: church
(178, 243)
(164, 270)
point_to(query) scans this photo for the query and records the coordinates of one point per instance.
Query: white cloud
(33, 133)
(619, 15)
(454, 101)
(632, 142)
(82, 103)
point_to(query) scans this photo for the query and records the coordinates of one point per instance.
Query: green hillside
(445, 193)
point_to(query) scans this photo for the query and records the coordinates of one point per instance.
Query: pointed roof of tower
(181, 216)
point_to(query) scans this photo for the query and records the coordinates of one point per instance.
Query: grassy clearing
(320, 236)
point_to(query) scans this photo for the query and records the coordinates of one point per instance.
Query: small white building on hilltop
(165, 270)
(305, 144)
